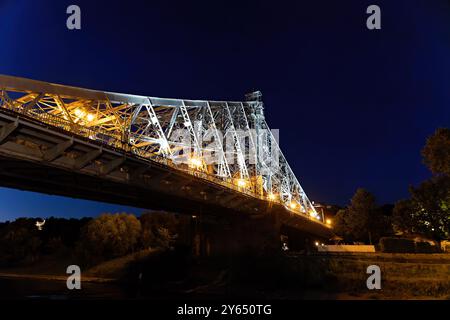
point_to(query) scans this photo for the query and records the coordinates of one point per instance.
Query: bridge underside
(42, 159)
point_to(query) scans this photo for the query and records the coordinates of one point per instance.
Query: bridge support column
(236, 236)
(259, 235)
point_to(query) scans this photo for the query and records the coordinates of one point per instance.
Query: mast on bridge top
(254, 96)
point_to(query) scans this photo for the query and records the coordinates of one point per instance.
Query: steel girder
(228, 142)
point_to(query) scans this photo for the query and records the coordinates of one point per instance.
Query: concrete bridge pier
(235, 235)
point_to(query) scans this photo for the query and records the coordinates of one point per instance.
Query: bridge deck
(119, 177)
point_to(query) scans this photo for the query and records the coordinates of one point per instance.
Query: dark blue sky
(353, 106)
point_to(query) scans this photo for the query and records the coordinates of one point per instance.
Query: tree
(431, 207)
(402, 219)
(436, 153)
(360, 214)
(19, 242)
(67, 230)
(340, 226)
(363, 220)
(428, 210)
(111, 235)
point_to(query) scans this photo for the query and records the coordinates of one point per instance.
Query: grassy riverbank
(150, 273)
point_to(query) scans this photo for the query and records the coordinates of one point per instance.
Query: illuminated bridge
(215, 158)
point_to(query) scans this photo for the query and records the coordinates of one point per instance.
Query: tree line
(425, 212)
(88, 240)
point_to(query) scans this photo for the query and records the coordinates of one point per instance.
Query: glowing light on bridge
(272, 196)
(241, 183)
(79, 112)
(90, 117)
(195, 163)
(328, 222)
(293, 205)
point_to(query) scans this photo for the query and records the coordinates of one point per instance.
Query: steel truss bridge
(125, 149)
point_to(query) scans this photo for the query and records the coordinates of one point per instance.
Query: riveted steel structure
(148, 127)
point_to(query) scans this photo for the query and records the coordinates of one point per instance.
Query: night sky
(354, 106)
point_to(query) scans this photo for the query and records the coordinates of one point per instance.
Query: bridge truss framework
(147, 127)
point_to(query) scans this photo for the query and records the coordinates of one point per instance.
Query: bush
(109, 236)
(445, 246)
(19, 243)
(426, 247)
(397, 245)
